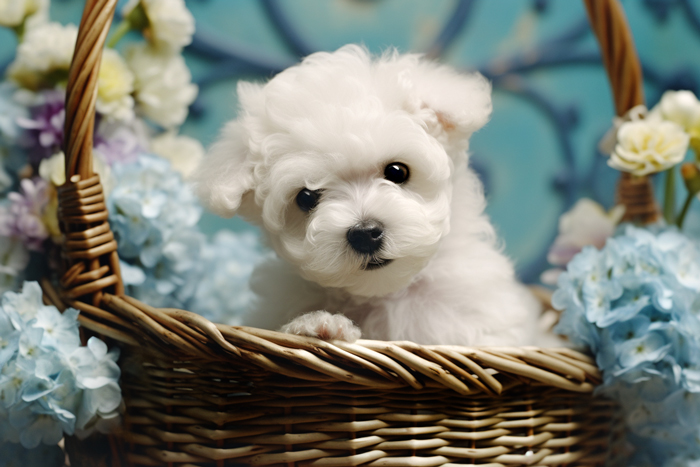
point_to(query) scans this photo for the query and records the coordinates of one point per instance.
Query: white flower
(681, 107)
(163, 84)
(53, 170)
(44, 55)
(115, 84)
(648, 146)
(586, 223)
(184, 153)
(170, 23)
(14, 12)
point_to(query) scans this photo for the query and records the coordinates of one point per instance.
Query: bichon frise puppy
(356, 170)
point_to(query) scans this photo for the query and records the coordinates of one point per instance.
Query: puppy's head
(346, 162)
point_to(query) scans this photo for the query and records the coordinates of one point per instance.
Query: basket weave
(210, 394)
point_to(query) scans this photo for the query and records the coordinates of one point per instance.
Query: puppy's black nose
(366, 237)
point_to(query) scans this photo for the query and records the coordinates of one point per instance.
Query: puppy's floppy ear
(461, 102)
(225, 174)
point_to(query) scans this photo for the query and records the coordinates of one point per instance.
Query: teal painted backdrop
(551, 97)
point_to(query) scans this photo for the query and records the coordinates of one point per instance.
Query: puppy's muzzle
(366, 237)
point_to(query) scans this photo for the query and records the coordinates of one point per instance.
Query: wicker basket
(209, 394)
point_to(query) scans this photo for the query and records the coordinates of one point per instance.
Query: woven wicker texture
(259, 397)
(197, 392)
(336, 425)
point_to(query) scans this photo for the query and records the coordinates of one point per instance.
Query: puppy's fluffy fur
(333, 123)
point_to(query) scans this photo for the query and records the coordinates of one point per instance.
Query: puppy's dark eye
(307, 199)
(396, 172)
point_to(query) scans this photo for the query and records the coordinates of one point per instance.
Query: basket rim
(364, 363)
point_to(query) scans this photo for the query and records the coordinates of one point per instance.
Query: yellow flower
(114, 87)
(53, 170)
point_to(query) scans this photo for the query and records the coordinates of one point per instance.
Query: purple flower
(45, 125)
(21, 218)
(121, 142)
(115, 141)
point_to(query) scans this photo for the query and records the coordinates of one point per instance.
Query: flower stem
(670, 197)
(119, 32)
(684, 211)
(19, 32)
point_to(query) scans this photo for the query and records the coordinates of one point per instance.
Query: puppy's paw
(323, 325)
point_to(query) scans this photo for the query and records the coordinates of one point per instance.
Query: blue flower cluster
(154, 215)
(635, 305)
(49, 383)
(223, 294)
(166, 260)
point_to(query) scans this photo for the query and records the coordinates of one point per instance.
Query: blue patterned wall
(551, 97)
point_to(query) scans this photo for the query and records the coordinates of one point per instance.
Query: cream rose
(114, 87)
(44, 55)
(607, 144)
(170, 23)
(183, 152)
(163, 84)
(645, 147)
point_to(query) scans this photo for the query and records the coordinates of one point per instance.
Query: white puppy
(356, 170)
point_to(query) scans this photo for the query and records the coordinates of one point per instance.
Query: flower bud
(691, 177)
(695, 144)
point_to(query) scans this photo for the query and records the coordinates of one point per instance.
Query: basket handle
(89, 250)
(621, 61)
(620, 58)
(81, 93)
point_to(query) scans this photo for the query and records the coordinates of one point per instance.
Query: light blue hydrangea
(635, 305)
(165, 260)
(148, 204)
(223, 294)
(154, 215)
(49, 384)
